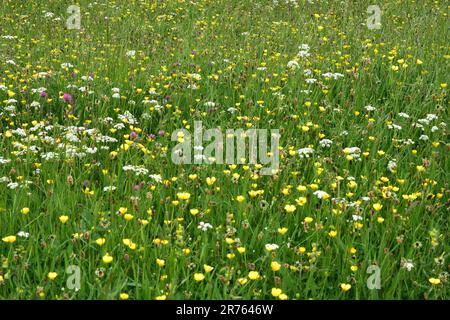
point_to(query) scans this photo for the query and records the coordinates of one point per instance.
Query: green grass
(241, 50)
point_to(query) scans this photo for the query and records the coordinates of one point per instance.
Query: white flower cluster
(204, 226)
(127, 117)
(293, 3)
(137, 170)
(115, 93)
(354, 152)
(305, 152)
(4, 161)
(321, 194)
(325, 143)
(271, 246)
(293, 65)
(131, 53)
(332, 75)
(156, 177)
(304, 51)
(392, 165)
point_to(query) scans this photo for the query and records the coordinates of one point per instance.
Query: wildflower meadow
(224, 149)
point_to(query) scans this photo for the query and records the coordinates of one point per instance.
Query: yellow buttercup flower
(183, 195)
(308, 220)
(124, 296)
(210, 181)
(377, 206)
(107, 258)
(276, 292)
(160, 262)
(434, 281)
(283, 296)
(9, 239)
(254, 275)
(63, 219)
(100, 241)
(275, 266)
(420, 168)
(25, 210)
(358, 225)
(199, 277)
(231, 256)
(332, 233)
(52, 275)
(207, 268)
(253, 193)
(130, 244)
(229, 240)
(345, 287)
(289, 208)
(301, 201)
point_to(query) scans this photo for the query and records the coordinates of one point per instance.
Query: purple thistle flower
(67, 97)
